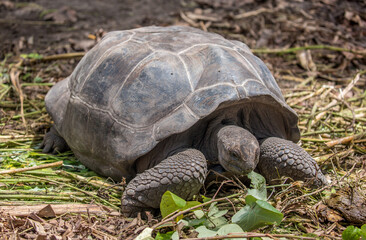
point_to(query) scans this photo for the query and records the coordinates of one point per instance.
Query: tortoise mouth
(238, 169)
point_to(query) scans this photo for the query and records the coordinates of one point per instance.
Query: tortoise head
(238, 150)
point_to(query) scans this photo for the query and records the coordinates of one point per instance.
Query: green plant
(215, 221)
(354, 233)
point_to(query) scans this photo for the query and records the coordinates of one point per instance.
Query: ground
(315, 50)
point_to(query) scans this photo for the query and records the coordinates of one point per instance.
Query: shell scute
(206, 100)
(90, 60)
(211, 64)
(157, 86)
(104, 81)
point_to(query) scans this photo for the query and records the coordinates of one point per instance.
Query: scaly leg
(183, 174)
(280, 157)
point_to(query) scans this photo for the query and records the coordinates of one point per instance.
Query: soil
(43, 25)
(54, 27)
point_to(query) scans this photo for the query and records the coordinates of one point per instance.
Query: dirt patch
(51, 26)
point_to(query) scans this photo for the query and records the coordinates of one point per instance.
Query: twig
(102, 235)
(322, 132)
(323, 158)
(325, 187)
(14, 77)
(342, 93)
(27, 22)
(188, 20)
(18, 170)
(218, 190)
(77, 189)
(253, 13)
(194, 16)
(345, 140)
(296, 49)
(56, 57)
(95, 183)
(38, 197)
(59, 209)
(253, 234)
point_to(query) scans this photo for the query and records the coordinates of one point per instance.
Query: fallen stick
(296, 49)
(188, 20)
(258, 235)
(14, 78)
(56, 57)
(18, 170)
(253, 13)
(345, 140)
(59, 209)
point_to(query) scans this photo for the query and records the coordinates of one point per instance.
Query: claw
(47, 148)
(53, 142)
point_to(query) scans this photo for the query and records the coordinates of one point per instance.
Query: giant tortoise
(156, 105)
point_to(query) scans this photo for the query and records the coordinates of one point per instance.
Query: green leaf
(31, 55)
(170, 203)
(205, 199)
(259, 214)
(204, 232)
(252, 197)
(258, 184)
(199, 214)
(257, 180)
(214, 212)
(145, 234)
(230, 228)
(164, 236)
(363, 232)
(190, 204)
(37, 79)
(215, 223)
(351, 233)
(197, 222)
(175, 236)
(183, 222)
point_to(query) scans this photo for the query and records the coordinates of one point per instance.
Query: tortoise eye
(234, 155)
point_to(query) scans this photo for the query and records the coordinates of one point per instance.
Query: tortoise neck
(210, 140)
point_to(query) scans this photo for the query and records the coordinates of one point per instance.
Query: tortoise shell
(137, 87)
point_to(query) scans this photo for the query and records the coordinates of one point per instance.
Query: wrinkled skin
(238, 150)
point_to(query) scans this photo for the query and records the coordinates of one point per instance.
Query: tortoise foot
(279, 157)
(53, 142)
(183, 174)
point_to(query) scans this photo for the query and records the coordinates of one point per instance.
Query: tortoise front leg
(52, 141)
(183, 174)
(279, 157)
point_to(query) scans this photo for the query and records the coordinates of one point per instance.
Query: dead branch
(18, 170)
(59, 209)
